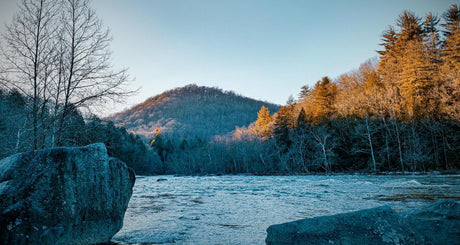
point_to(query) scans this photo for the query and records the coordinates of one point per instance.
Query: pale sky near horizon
(264, 49)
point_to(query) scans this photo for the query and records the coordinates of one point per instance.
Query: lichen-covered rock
(437, 224)
(63, 196)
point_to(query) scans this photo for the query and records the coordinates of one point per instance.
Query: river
(237, 209)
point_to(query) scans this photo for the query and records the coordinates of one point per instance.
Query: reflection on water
(238, 209)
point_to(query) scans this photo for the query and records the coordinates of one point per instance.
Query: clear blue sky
(265, 49)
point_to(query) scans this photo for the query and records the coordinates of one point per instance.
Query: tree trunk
(398, 137)
(370, 145)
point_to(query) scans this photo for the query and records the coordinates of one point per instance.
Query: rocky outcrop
(63, 196)
(437, 224)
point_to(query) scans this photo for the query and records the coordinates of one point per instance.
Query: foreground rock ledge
(436, 224)
(63, 196)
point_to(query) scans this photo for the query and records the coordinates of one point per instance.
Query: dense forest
(396, 113)
(16, 134)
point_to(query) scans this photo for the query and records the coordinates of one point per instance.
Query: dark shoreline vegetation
(398, 113)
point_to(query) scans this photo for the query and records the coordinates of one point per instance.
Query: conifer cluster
(396, 113)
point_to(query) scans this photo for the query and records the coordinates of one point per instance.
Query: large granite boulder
(438, 224)
(63, 196)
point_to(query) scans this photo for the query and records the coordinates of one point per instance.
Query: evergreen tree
(389, 38)
(163, 146)
(281, 128)
(404, 66)
(388, 66)
(263, 123)
(373, 89)
(304, 92)
(432, 35)
(451, 62)
(451, 45)
(324, 94)
(301, 118)
(410, 27)
(452, 19)
(417, 79)
(290, 101)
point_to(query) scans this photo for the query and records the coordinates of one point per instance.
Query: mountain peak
(191, 111)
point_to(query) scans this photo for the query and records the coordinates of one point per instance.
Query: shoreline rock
(63, 196)
(436, 224)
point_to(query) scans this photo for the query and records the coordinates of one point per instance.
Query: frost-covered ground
(239, 209)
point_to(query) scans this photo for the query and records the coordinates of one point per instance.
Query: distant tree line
(400, 113)
(16, 134)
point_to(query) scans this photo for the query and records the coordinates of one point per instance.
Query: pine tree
(301, 119)
(263, 123)
(432, 35)
(281, 128)
(417, 79)
(162, 146)
(389, 38)
(388, 66)
(395, 44)
(451, 45)
(290, 101)
(452, 18)
(432, 43)
(404, 68)
(410, 27)
(304, 92)
(451, 62)
(324, 94)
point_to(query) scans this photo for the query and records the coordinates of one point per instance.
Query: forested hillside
(191, 111)
(400, 113)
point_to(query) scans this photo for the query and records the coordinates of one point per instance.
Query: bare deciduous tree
(57, 52)
(26, 53)
(89, 75)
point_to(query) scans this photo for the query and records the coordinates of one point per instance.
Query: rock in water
(440, 222)
(372, 226)
(437, 224)
(63, 196)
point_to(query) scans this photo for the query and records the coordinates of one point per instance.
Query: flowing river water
(237, 209)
